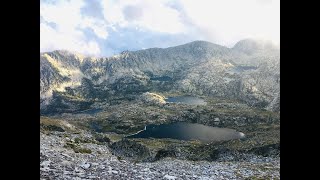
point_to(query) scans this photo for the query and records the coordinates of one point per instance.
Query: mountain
(250, 46)
(250, 72)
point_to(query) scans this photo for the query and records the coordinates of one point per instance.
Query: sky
(108, 27)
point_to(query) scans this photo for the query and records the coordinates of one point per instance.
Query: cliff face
(250, 71)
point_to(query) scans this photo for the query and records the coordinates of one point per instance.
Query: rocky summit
(90, 105)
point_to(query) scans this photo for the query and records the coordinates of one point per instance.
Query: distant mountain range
(250, 72)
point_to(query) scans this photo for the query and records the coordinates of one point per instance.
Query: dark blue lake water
(188, 131)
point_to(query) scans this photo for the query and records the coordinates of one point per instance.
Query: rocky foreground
(58, 161)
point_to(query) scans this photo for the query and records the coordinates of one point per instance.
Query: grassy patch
(48, 124)
(83, 150)
(114, 137)
(83, 140)
(77, 149)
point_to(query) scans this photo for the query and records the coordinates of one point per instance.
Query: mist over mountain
(249, 72)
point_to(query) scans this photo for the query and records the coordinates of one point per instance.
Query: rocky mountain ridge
(250, 72)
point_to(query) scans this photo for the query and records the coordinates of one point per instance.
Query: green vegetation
(82, 150)
(48, 124)
(76, 148)
(83, 140)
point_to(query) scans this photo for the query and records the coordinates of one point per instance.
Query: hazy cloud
(132, 13)
(226, 22)
(92, 8)
(106, 27)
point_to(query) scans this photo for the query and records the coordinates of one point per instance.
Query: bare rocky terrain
(70, 82)
(89, 105)
(58, 162)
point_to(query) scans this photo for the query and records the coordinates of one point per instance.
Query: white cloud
(68, 33)
(99, 27)
(112, 11)
(160, 18)
(229, 21)
(224, 22)
(151, 15)
(66, 14)
(51, 39)
(65, 23)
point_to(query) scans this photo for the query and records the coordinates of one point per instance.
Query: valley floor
(59, 162)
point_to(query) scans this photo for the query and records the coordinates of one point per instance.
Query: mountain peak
(250, 46)
(202, 43)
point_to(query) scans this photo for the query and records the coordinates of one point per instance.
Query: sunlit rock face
(153, 98)
(250, 72)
